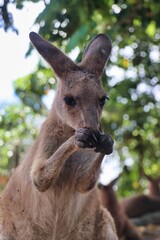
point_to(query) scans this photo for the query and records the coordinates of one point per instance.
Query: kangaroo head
(80, 96)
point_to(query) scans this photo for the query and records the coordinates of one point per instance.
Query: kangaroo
(52, 194)
(137, 206)
(125, 229)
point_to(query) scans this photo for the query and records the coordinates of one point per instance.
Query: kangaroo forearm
(87, 178)
(48, 172)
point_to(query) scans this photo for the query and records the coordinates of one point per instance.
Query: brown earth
(150, 232)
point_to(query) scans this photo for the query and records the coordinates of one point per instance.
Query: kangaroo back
(136, 206)
(52, 194)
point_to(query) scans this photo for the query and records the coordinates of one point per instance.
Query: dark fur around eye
(103, 100)
(70, 101)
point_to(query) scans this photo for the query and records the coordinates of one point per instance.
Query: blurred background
(131, 79)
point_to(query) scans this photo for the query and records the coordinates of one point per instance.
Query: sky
(13, 47)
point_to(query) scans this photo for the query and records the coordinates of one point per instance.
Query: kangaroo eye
(70, 101)
(103, 100)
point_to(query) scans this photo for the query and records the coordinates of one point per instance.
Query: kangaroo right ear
(58, 60)
(96, 54)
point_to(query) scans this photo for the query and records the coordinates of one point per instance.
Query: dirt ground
(150, 232)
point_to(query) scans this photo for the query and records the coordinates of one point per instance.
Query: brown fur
(125, 229)
(137, 206)
(143, 204)
(52, 194)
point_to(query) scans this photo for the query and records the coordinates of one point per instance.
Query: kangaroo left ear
(58, 60)
(96, 54)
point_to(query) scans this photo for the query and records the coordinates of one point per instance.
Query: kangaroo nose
(90, 119)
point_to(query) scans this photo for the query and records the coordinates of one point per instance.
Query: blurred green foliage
(18, 127)
(32, 88)
(132, 77)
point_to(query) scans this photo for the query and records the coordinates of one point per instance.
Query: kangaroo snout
(90, 120)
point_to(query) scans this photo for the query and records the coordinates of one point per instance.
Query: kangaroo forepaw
(105, 144)
(85, 138)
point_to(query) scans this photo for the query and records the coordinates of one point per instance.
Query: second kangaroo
(52, 194)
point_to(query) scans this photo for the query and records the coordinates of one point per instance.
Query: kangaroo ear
(58, 60)
(96, 54)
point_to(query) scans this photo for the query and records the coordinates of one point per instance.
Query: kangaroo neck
(54, 133)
